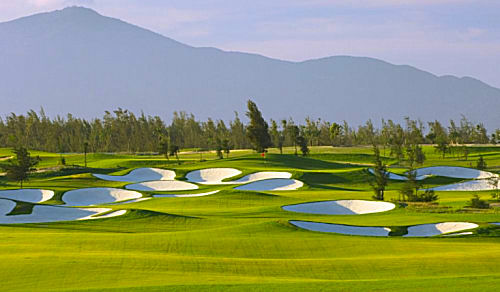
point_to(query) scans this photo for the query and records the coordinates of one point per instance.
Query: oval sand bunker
(95, 196)
(342, 229)
(454, 171)
(140, 175)
(45, 214)
(210, 176)
(341, 207)
(262, 175)
(27, 195)
(6, 206)
(277, 184)
(162, 185)
(473, 185)
(185, 195)
(425, 230)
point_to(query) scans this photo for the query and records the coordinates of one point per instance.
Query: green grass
(240, 241)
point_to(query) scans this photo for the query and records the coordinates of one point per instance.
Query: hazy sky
(458, 37)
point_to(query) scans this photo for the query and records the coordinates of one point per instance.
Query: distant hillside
(76, 60)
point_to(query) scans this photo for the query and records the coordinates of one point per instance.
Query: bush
(476, 202)
(481, 164)
(427, 196)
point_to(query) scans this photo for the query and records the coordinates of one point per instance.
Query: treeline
(123, 131)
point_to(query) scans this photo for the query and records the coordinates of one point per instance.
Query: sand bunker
(108, 215)
(262, 175)
(212, 176)
(162, 185)
(6, 206)
(131, 201)
(342, 229)
(95, 196)
(186, 195)
(425, 230)
(341, 207)
(45, 214)
(140, 175)
(460, 233)
(455, 172)
(27, 195)
(473, 185)
(394, 176)
(277, 184)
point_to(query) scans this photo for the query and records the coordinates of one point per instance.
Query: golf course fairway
(216, 237)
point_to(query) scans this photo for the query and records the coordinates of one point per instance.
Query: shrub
(476, 202)
(481, 164)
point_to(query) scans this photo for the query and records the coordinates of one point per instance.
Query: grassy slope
(242, 240)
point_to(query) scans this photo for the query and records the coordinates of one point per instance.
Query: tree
(174, 150)
(21, 166)
(476, 202)
(294, 133)
(439, 136)
(226, 146)
(302, 142)
(409, 190)
(277, 136)
(85, 149)
(381, 176)
(257, 130)
(335, 131)
(481, 164)
(164, 148)
(493, 182)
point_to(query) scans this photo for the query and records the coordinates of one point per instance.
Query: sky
(444, 37)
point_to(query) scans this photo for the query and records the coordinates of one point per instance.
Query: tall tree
(380, 174)
(302, 142)
(276, 136)
(257, 130)
(174, 150)
(85, 149)
(19, 168)
(335, 131)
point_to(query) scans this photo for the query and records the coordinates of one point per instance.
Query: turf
(241, 241)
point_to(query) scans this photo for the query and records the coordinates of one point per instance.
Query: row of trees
(123, 131)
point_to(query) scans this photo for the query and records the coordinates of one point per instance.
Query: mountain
(76, 60)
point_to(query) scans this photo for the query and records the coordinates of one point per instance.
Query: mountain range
(78, 61)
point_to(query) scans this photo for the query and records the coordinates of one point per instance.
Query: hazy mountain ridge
(75, 60)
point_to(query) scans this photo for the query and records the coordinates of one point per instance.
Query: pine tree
(381, 176)
(19, 168)
(257, 130)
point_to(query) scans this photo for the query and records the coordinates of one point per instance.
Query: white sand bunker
(45, 214)
(140, 175)
(460, 233)
(211, 176)
(95, 196)
(394, 176)
(162, 185)
(342, 229)
(425, 230)
(6, 206)
(262, 175)
(277, 184)
(341, 207)
(473, 185)
(185, 195)
(27, 195)
(455, 172)
(131, 201)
